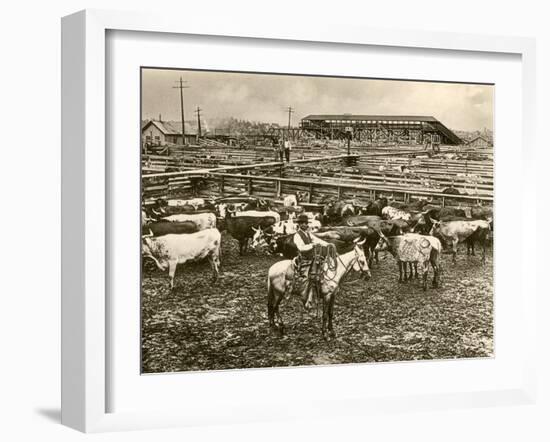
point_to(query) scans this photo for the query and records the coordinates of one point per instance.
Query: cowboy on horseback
(308, 263)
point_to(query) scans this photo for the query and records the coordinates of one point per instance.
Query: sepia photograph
(301, 220)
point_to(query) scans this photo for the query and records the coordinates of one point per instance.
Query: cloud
(263, 97)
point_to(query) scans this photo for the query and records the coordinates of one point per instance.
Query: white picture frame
(85, 311)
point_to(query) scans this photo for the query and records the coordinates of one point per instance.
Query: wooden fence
(189, 182)
(273, 188)
(271, 180)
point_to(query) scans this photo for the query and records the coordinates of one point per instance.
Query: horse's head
(361, 263)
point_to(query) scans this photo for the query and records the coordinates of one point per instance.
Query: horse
(281, 277)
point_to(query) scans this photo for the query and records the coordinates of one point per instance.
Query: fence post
(249, 186)
(222, 184)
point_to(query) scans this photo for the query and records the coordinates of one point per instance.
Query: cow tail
(270, 299)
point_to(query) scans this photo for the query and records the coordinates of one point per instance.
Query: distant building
(479, 142)
(160, 133)
(379, 128)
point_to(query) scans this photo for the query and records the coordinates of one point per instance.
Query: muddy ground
(203, 325)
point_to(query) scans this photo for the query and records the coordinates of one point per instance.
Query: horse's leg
(172, 272)
(416, 270)
(400, 266)
(325, 318)
(271, 301)
(331, 315)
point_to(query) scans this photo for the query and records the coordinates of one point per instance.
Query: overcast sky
(261, 97)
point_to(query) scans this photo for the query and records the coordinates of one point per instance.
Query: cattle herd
(416, 234)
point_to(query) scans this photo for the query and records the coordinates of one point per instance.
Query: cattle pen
(202, 325)
(343, 176)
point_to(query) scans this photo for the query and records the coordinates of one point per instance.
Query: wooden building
(480, 142)
(161, 133)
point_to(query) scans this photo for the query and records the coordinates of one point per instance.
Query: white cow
(144, 218)
(290, 201)
(202, 220)
(392, 213)
(259, 213)
(170, 250)
(285, 227)
(195, 202)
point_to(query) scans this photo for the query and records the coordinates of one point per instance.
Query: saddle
(308, 269)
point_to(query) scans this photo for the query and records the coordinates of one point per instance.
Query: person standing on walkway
(276, 148)
(288, 148)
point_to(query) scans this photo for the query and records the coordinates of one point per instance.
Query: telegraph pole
(181, 87)
(290, 111)
(198, 112)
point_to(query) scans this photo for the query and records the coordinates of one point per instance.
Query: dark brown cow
(242, 228)
(165, 227)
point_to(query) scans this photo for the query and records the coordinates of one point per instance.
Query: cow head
(261, 239)
(222, 210)
(230, 210)
(436, 225)
(328, 209)
(302, 196)
(382, 202)
(383, 243)
(347, 210)
(262, 205)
